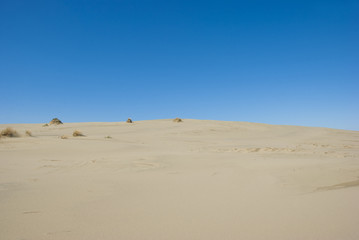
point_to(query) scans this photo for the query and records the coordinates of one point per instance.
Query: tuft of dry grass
(177, 120)
(28, 133)
(77, 134)
(45, 125)
(108, 137)
(55, 121)
(64, 137)
(129, 120)
(9, 132)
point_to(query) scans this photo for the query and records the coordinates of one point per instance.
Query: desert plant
(55, 121)
(45, 125)
(77, 134)
(63, 137)
(177, 120)
(9, 132)
(28, 133)
(129, 120)
(108, 137)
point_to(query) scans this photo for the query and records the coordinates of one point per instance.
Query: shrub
(9, 132)
(77, 134)
(55, 121)
(28, 133)
(177, 120)
(63, 137)
(45, 125)
(129, 120)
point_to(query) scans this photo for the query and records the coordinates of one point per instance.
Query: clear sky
(278, 62)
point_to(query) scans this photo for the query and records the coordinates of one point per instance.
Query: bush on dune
(55, 121)
(77, 134)
(177, 120)
(9, 132)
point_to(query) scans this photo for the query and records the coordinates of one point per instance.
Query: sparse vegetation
(77, 134)
(177, 120)
(28, 133)
(45, 125)
(129, 120)
(64, 137)
(9, 132)
(108, 137)
(55, 121)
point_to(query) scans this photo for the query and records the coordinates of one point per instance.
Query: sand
(191, 180)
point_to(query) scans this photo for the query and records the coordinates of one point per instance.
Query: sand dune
(191, 180)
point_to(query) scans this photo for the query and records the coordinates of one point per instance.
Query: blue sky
(277, 62)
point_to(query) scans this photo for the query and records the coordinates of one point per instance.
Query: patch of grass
(64, 137)
(177, 120)
(9, 132)
(108, 137)
(28, 133)
(45, 125)
(77, 134)
(129, 120)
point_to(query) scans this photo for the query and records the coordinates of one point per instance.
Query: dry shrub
(77, 134)
(55, 121)
(129, 120)
(28, 133)
(45, 125)
(108, 137)
(177, 120)
(64, 137)
(9, 132)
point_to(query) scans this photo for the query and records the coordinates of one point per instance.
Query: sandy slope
(192, 180)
